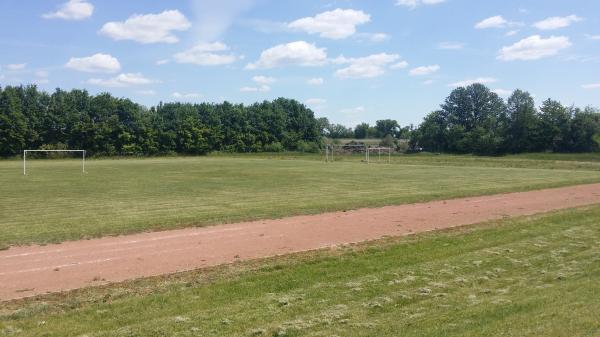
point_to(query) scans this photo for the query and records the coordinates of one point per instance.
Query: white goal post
(330, 150)
(25, 152)
(379, 151)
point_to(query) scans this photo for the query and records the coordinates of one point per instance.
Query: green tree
(13, 124)
(554, 127)
(386, 127)
(523, 122)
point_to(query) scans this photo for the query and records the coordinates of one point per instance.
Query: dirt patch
(32, 270)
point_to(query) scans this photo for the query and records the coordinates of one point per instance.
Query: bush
(310, 147)
(273, 147)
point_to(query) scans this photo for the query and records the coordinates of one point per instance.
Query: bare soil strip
(32, 270)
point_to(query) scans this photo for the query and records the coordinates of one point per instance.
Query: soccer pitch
(56, 202)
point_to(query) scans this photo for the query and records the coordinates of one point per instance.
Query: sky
(351, 61)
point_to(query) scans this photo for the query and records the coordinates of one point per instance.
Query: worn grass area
(535, 276)
(56, 202)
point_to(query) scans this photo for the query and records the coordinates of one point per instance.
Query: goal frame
(379, 149)
(83, 152)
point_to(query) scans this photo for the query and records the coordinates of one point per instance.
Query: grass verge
(532, 276)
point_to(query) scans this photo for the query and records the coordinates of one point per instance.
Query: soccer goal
(25, 152)
(378, 151)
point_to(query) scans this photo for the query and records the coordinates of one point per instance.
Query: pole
(83, 167)
(24, 162)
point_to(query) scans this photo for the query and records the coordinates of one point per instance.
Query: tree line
(472, 119)
(106, 125)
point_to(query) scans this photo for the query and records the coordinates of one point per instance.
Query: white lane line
(59, 266)
(152, 239)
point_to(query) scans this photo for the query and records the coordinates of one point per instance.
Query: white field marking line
(174, 236)
(83, 252)
(76, 264)
(488, 200)
(69, 265)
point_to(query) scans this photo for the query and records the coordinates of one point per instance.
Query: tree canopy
(105, 125)
(474, 119)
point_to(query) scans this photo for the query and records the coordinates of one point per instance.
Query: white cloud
(299, 53)
(451, 45)
(512, 32)
(480, 80)
(72, 10)
(315, 81)
(42, 73)
(16, 66)
(374, 37)
(41, 77)
(428, 82)
(122, 80)
(146, 92)
(213, 18)
(424, 70)
(262, 88)
(336, 24)
(399, 65)
(494, 22)
(534, 48)
(352, 111)
(556, 22)
(162, 62)
(354, 116)
(41, 81)
(186, 96)
(264, 80)
(97, 63)
(412, 4)
(591, 86)
(206, 54)
(502, 92)
(592, 37)
(315, 101)
(148, 28)
(365, 67)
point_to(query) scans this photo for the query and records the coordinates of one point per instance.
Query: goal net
(371, 154)
(31, 154)
(379, 154)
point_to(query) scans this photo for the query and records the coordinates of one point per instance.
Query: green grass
(534, 276)
(56, 202)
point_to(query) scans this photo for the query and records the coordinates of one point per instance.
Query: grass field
(56, 202)
(535, 276)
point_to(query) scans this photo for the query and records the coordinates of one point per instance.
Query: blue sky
(349, 60)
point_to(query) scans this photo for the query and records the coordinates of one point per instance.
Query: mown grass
(534, 276)
(560, 161)
(56, 202)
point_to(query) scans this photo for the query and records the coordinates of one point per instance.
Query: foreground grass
(536, 276)
(56, 202)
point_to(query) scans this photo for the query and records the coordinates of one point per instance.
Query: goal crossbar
(25, 152)
(379, 150)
